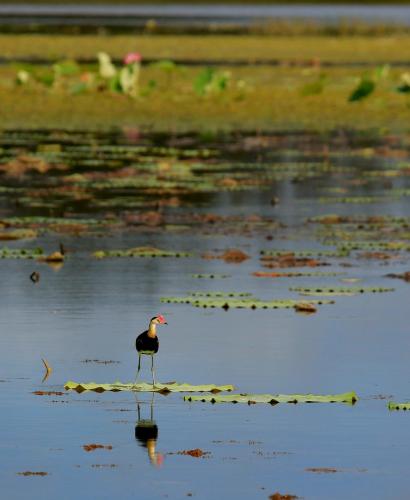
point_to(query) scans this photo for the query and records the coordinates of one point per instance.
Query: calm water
(92, 309)
(198, 14)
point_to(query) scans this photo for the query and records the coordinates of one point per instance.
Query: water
(199, 14)
(90, 309)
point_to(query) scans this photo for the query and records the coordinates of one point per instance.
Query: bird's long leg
(138, 370)
(152, 371)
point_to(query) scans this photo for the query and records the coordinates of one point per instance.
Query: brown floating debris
(32, 473)
(231, 256)
(289, 260)
(405, 276)
(279, 496)
(49, 393)
(197, 453)
(305, 307)
(321, 470)
(93, 447)
(55, 257)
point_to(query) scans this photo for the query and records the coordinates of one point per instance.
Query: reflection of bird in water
(146, 432)
(147, 343)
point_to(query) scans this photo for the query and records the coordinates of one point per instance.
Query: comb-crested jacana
(147, 343)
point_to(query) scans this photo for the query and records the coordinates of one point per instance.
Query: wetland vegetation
(254, 188)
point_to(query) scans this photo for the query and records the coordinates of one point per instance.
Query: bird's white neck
(152, 330)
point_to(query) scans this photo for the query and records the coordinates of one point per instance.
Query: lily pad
(398, 406)
(146, 387)
(339, 290)
(347, 397)
(241, 303)
(139, 252)
(20, 253)
(210, 276)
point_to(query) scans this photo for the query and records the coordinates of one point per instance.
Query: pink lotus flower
(132, 57)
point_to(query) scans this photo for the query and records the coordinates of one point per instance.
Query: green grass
(219, 47)
(258, 97)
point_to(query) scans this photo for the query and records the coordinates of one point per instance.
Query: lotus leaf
(20, 253)
(398, 406)
(305, 253)
(210, 276)
(146, 387)
(139, 252)
(227, 303)
(347, 397)
(339, 290)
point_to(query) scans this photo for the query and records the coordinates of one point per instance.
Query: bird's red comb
(161, 318)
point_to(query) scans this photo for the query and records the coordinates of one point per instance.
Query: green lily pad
(221, 294)
(146, 387)
(20, 253)
(347, 397)
(398, 406)
(227, 303)
(306, 253)
(210, 276)
(139, 252)
(339, 290)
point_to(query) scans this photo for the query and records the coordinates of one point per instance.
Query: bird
(147, 343)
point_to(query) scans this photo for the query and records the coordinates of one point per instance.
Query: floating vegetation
(20, 253)
(353, 199)
(145, 387)
(18, 234)
(373, 245)
(210, 276)
(398, 406)
(139, 252)
(339, 290)
(262, 274)
(404, 276)
(347, 397)
(290, 260)
(221, 294)
(227, 301)
(305, 253)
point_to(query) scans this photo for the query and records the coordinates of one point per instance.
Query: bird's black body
(145, 343)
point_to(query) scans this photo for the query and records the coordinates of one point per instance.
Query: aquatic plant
(398, 406)
(139, 252)
(20, 253)
(145, 387)
(347, 397)
(339, 290)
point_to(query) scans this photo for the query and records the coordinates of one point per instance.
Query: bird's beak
(164, 323)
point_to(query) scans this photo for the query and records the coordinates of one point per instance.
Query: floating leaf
(20, 253)
(398, 406)
(347, 397)
(304, 253)
(139, 252)
(146, 387)
(227, 303)
(339, 290)
(261, 274)
(221, 294)
(210, 276)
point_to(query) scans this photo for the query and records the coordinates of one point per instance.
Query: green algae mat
(146, 387)
(347, 397)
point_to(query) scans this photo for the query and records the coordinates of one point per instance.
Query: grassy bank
(255, 98)
(219, 47)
